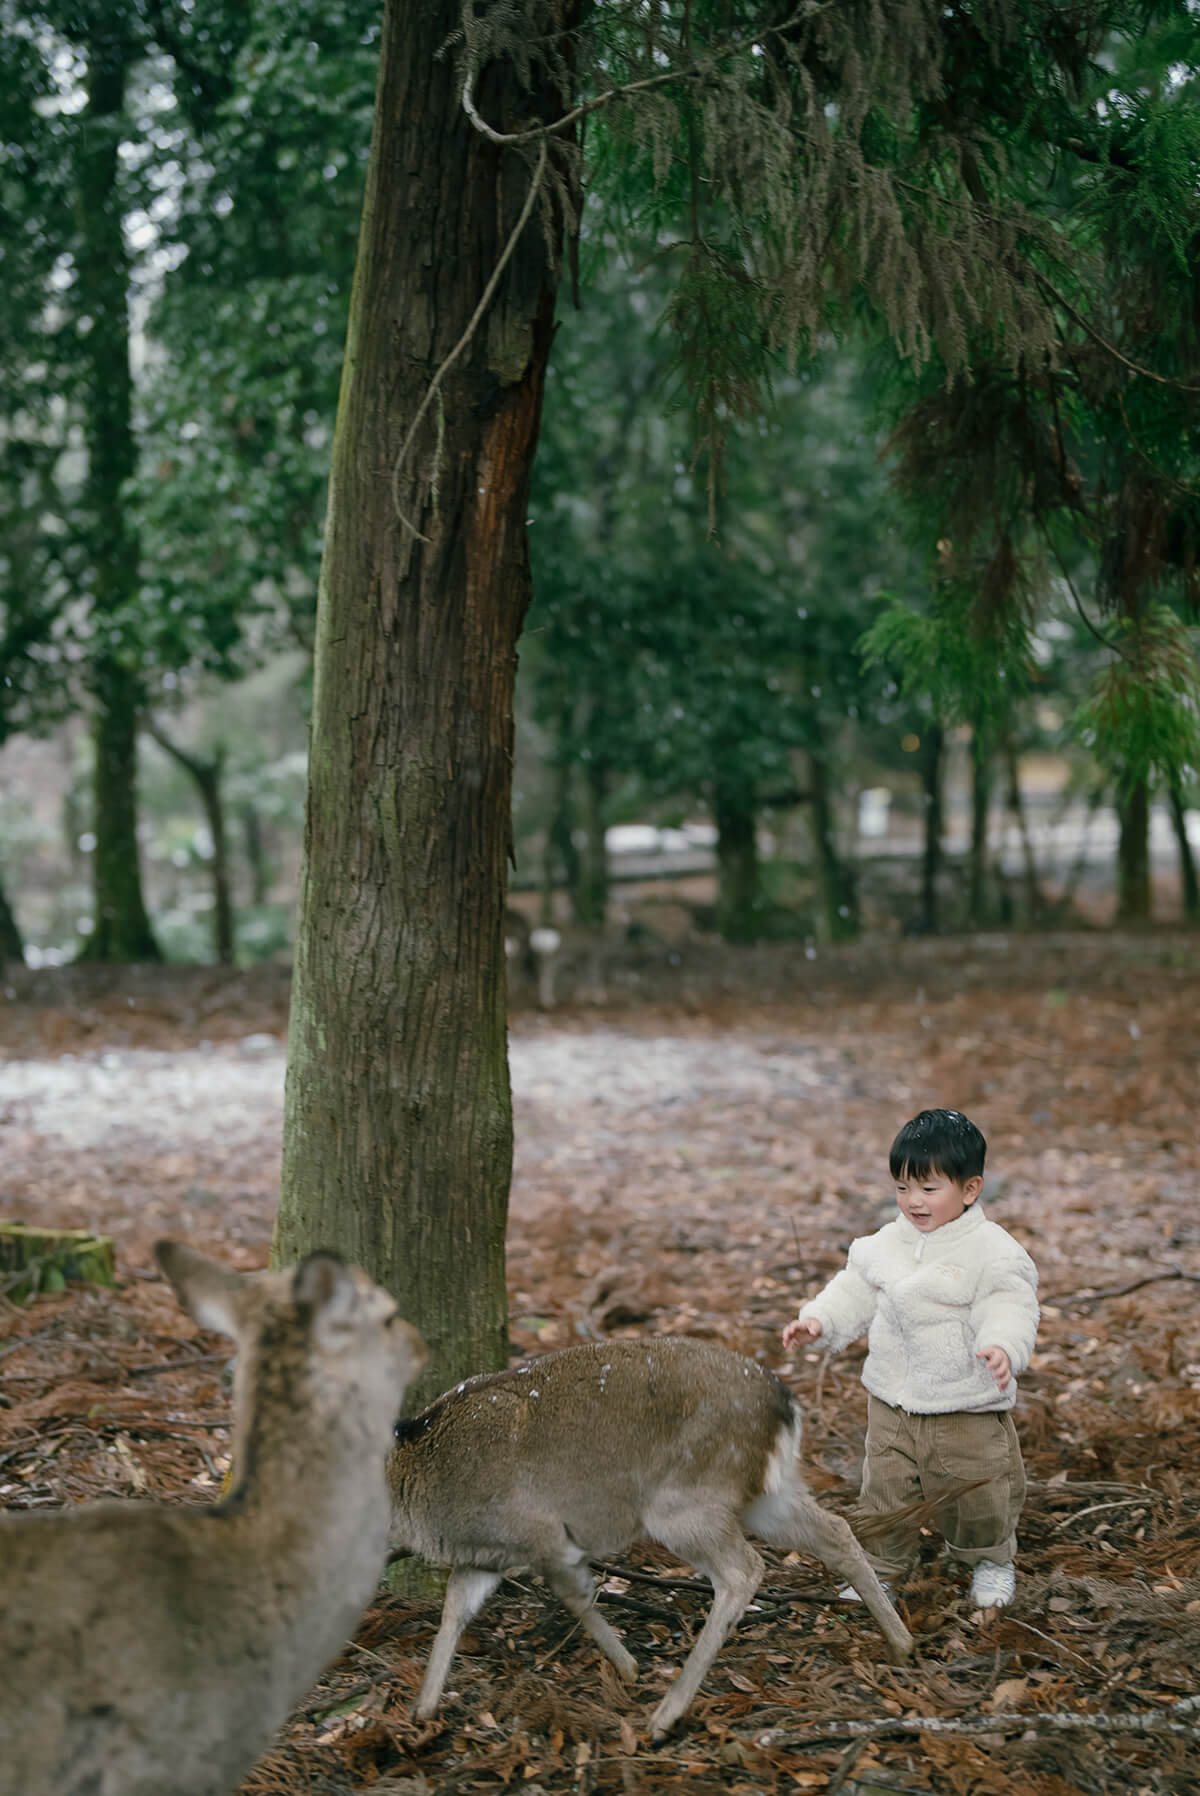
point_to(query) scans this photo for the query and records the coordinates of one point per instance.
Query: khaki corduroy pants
(911, 1458)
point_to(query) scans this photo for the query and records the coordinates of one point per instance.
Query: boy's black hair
(942, 1141)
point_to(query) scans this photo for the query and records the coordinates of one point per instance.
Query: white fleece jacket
(929, 1303)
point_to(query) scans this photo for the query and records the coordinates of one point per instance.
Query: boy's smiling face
(933, 1200)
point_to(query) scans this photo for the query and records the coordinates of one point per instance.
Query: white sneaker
(992, 1585)
(848, 1594)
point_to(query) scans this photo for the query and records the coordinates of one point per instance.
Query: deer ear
(210, 1293)
(326, 1289)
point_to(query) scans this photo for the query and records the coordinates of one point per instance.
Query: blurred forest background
(906, 649)
(863, 528)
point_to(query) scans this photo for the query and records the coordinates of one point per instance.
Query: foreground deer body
(582, 1452)
(147, 1649)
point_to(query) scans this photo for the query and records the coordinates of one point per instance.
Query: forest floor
(699, 1135)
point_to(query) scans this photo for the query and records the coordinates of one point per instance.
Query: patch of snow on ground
(160, 1101)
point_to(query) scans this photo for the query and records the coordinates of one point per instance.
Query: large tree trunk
(121, 929)
(1133, 854)
(739, 878)
(398, 1116)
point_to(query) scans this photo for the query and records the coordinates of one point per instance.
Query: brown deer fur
(146, 1648)
(576, 1455)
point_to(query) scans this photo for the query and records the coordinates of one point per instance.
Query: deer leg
(716, 1546)
(575, 1588)
(467, 1590)
(794, 1519)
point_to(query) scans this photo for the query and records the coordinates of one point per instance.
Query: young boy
(949, 1302)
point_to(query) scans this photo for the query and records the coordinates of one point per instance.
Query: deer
(575, 1455)
(147, 1646)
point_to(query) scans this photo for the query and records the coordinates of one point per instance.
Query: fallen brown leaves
(712, 1213)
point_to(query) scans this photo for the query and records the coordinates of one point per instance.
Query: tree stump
(34, 1260)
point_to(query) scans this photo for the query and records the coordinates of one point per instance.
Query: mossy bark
(398, 1117)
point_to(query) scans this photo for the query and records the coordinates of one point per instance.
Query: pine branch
(701, 65)
(1151, 1278)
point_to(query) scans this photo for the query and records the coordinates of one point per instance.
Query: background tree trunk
(206, 776)
(591, 899)
(928, 914)
(839, 887)
(398, 1116)
(561, 859)
(977, 856)
(1077, 871)
(1033, 891)
(121, 928)
(1133, 854)
(739, 880)
(11, 945)
(1187, 860)
(255, 848)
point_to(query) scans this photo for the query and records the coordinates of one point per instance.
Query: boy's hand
(808, 1330)
(997, 1363)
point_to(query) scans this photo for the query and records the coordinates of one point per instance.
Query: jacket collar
(948, 1236)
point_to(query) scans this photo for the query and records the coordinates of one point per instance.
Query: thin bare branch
(1028, 1722)
(699, 66)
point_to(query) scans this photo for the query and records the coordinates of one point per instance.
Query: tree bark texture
(121, 929)
(398, 1117)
